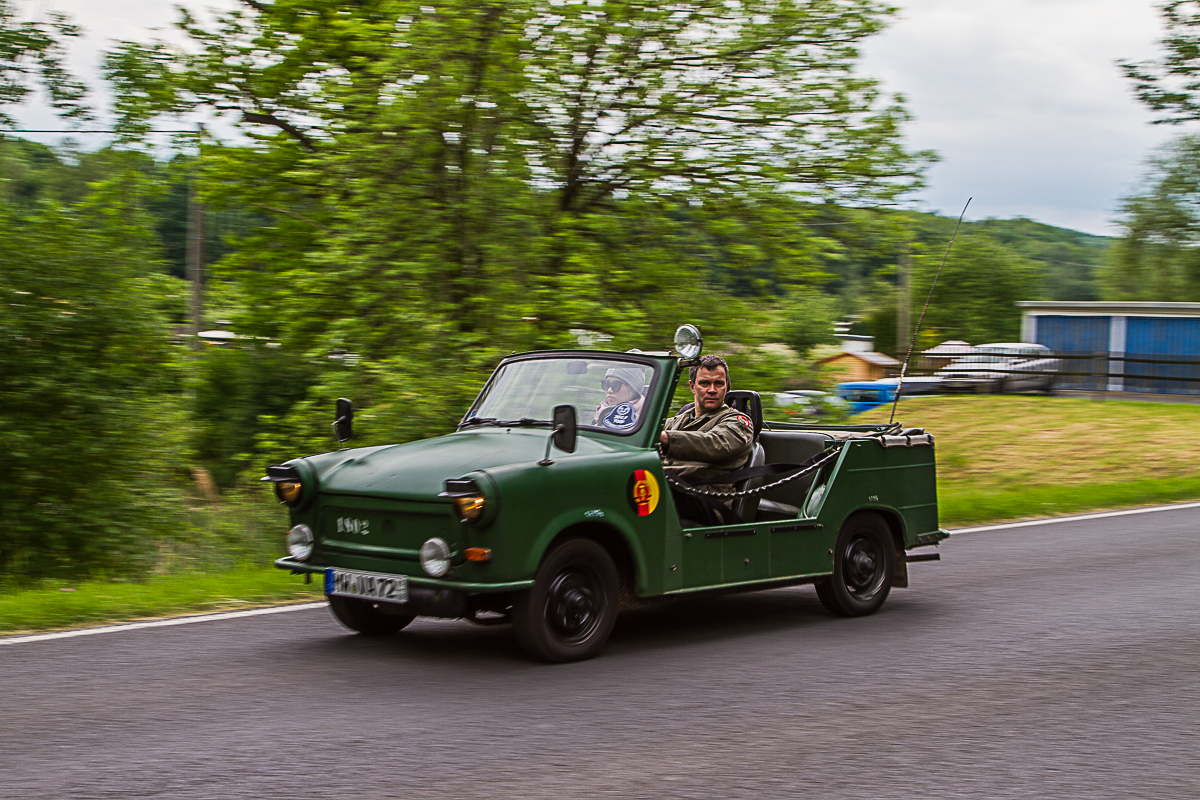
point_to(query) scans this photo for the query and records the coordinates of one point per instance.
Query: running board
(924, 557)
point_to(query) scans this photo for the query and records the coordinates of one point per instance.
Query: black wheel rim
(574, 605)
(863, 563)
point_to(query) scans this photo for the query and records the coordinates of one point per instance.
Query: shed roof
(871, 357)
(1105, 308)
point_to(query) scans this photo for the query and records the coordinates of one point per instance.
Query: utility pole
(903, 298)
(195, 247)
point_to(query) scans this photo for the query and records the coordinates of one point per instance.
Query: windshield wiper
(524, 422)
(479, 421)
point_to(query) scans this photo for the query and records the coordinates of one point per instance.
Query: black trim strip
(727, 534)
(799, 526)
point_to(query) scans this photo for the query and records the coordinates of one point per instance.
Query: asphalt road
(1059, 661)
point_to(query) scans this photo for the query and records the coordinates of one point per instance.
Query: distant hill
(1070, 258)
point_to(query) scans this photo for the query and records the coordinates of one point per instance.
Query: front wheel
(569, 612)
(863, 563)
(366, 617)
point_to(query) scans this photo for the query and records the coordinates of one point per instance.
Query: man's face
(709, 389)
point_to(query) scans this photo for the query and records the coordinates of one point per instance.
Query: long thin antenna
(913, 342)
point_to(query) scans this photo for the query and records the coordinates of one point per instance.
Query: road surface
(1057, 661)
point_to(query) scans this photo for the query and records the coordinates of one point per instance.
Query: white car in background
(1002, 367)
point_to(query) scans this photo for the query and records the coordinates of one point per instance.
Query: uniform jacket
(709, 445)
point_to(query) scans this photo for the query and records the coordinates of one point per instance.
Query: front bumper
(300, 568)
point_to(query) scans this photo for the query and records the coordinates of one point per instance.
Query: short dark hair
(709, 361)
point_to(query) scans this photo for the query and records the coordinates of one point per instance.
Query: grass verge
(70, 604)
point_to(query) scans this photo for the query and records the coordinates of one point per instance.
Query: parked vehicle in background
(811, 404)
(865, 395)
(1002, 367)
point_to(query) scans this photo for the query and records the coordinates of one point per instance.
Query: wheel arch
(895, 523)
(615, 543)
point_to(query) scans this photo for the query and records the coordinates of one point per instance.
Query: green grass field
(1003, 458)
(999, 458)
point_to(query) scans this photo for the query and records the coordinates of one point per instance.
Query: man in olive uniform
(706, 441)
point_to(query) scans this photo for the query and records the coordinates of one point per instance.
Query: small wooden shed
(861, 366)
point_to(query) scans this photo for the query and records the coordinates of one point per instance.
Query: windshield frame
(591, 355)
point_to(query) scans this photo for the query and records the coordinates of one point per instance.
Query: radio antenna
(912, 343)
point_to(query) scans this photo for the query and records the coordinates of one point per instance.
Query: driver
(705, 441)
(624, 394)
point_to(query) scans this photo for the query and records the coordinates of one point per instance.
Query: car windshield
(607, 394)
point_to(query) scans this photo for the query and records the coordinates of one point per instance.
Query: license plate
(367, 585)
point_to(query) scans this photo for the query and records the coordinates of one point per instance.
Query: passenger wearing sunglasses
(624, 393)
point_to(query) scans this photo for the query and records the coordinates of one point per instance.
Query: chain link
(692, 490)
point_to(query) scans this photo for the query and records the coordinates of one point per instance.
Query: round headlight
(289, 492)
(300, 542)
(688, 341)
(469, 507)
(435, 557)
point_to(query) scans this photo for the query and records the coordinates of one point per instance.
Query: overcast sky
(1021, 98)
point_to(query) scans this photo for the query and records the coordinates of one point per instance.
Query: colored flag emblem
(644, 491)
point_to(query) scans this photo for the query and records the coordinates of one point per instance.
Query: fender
(608, 517)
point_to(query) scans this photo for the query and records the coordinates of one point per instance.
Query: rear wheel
(863, 563)
(569, 612)
(366, 617)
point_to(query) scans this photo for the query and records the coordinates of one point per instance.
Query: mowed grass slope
(1008, 457)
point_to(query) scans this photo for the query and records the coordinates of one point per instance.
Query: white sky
(1021, 98)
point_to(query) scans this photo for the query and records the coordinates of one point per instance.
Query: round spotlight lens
(300, 542)
(469, 508)
(688, 341)
(435, 557)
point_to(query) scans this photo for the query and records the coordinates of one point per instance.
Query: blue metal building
(1128, 341)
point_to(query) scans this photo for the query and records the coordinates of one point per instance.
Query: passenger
(706, 441)
(624, 394)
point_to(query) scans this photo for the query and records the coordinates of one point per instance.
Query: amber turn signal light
(288, 492)
(482, 554)
(469, 507)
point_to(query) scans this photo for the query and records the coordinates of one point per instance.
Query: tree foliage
(1171, 84)
(86, 377)
(1158, 255)
(976, 295)
(31, 55)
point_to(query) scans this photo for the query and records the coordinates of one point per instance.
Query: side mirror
(566, 428)
(343, 425)
(565, 435)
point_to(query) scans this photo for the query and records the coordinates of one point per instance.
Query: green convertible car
(550, 510)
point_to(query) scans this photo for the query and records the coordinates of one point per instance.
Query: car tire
(365, 617)
(570, 611)
(863, 563)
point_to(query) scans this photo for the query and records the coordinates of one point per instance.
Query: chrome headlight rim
(300, 541)
(434, 557)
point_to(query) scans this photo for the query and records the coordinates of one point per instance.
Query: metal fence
(1095, 371)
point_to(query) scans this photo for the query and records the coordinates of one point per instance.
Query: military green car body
(372, 508)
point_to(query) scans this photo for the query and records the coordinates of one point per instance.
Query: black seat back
(750, 404)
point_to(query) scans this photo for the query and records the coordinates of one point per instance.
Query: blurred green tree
(31, 56)
(976, 295)
(447, 183)
(93, 434)
(1157, 256)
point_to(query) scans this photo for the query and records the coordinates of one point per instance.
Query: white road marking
(1077, 518)
(159, 623)
(163, 623)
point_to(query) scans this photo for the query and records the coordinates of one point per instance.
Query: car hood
(418, 470)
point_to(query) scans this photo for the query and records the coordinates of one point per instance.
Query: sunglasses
(611, 385)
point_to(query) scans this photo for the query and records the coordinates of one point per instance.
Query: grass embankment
(1003, 458)
(78, 603)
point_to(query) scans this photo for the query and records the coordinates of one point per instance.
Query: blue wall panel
(1075, 334)
(1177, 338)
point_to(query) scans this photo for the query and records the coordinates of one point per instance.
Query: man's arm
(726, 440)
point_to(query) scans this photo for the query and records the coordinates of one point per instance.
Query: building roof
(1105, 308)
(878, 359)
